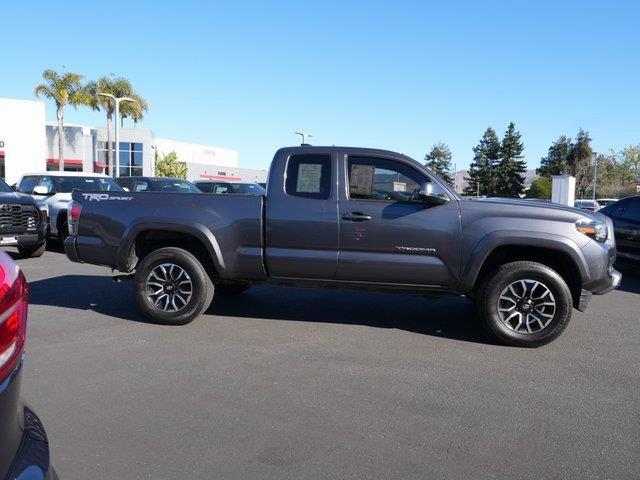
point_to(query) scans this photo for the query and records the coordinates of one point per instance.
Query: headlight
(597, 231)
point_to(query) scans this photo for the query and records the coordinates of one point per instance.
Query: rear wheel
(32, 251)
(172, 287)
(525, 304)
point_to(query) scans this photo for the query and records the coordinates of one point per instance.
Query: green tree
(540, 188)
(118, 87)
(510, 169)
(64, 89)
(557, 160)
(169, 166)
(482, 169)
(630, 163)
(580, 163)
(438, 160)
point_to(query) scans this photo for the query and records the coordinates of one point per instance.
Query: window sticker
(309, 175)
(361, 180)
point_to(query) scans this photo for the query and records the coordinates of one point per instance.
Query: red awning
(67, 161)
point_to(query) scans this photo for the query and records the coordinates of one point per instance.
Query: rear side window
(632, 210)
(309, 176)
(222, 189)
(125, 183)
(206, 187)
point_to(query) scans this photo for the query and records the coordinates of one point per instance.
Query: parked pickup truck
(352, 218)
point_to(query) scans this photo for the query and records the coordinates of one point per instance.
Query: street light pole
(117, 101)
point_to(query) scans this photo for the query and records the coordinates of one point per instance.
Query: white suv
(52, 190)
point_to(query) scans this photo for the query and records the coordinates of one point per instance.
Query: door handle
(356, 216)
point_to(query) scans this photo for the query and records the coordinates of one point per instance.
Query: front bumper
(25, 239)
(611, 283)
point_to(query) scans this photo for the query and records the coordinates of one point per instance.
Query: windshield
(173, 185)
(68, 184)
(4, 187)
(54, 184)
(248, 189)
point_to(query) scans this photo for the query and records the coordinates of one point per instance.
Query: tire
(63, 232)
(182, 302)
(231, 288)
(32, 251)
(511, 299)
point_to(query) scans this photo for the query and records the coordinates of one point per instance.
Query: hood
(519, 203)
(16, 198)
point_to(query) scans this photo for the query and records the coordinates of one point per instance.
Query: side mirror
(432, 193)
(41, 190)
(125, 189)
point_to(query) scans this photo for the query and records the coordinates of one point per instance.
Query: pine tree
(557, 160)
(438, 160)
(580, 163)
(509, 170)
(482, 169)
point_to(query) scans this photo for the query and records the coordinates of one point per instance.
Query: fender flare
(507, 238)
(197, 230)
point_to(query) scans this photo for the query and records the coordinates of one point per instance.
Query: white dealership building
(29, 144)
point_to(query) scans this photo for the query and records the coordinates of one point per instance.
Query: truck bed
(229, 227)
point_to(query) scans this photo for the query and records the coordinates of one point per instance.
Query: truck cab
(358, 211)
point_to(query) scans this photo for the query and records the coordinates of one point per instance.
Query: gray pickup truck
(352, 218)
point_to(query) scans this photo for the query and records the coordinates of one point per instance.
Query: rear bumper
(24, 447)
(71, 249)
(32, 459)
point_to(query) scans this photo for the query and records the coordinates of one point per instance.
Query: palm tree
(64, 89)
(118, 87)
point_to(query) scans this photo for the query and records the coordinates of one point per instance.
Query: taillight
(13, 315)
(73, 215)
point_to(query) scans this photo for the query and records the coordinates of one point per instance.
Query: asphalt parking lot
(287, 383)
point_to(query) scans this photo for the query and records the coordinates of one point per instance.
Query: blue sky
(396, 75)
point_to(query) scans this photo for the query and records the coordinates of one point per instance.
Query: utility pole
(478, 189)
(595, 173)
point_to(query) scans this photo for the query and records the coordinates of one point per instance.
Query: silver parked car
(590, 205)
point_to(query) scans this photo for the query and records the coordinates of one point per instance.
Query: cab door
(301, 215)
(387, 233)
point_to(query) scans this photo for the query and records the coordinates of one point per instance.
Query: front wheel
(172, 287)
(525, 304)
(32, 251)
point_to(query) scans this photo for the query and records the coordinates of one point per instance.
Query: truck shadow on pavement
(451, 317)
(86, 292)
